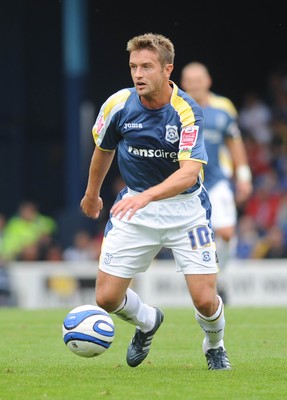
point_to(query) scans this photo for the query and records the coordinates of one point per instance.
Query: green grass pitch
(36, 365)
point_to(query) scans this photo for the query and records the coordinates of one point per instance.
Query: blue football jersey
(150, 142)
(220, 123)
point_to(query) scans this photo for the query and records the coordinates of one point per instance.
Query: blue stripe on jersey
(109, 224)
(206, 204)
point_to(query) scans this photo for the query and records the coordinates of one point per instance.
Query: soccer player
(157, 131)
(227, 176)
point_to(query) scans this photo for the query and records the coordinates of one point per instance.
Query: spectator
(247, 237)
(29, 253)
(276, 244)
(255, 118)
(259, 156)
(263, 205)
(28, 227)
(54, 253)
(281, 217)
(83, 248)
(272, 245)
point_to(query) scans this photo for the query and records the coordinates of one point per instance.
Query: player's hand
(91, 207)
(129, 205)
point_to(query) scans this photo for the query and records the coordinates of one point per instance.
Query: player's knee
(205, 306)
(108, 304)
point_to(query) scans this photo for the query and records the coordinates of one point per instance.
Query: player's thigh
(128, 248)
(194, 249)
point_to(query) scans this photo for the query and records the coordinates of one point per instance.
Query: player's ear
(209, 82)
(168, 70)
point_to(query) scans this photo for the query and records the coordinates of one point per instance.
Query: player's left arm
(242, 172)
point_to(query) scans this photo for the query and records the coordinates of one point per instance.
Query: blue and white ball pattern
(88, 331)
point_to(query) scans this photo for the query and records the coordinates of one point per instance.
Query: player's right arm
(106, 139)
(91, 204)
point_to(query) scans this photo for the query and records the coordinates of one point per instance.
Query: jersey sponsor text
(157, 153)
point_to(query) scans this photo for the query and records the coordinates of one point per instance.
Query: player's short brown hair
(156, 43)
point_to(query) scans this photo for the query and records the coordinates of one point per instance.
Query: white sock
(134, 311)
(213, 327)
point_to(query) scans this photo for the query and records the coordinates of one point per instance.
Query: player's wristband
(243, 173)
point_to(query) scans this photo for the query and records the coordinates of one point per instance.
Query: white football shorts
(181, 223)
(224, 213)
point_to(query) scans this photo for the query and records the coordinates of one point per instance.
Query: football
(88, 331)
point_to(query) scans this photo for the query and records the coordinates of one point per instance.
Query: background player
(157, 130)
(227, 175)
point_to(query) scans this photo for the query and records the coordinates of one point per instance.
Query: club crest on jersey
(188, 137)
(206, 256)
(171, 133)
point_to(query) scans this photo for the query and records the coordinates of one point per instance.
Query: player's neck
(157, 100)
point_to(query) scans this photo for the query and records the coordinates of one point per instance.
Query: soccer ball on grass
(88, 331)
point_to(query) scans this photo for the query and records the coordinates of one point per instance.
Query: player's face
(196, 83)
(147, 73)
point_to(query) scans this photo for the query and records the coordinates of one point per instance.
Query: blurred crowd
(262, 222)
(29, 235)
